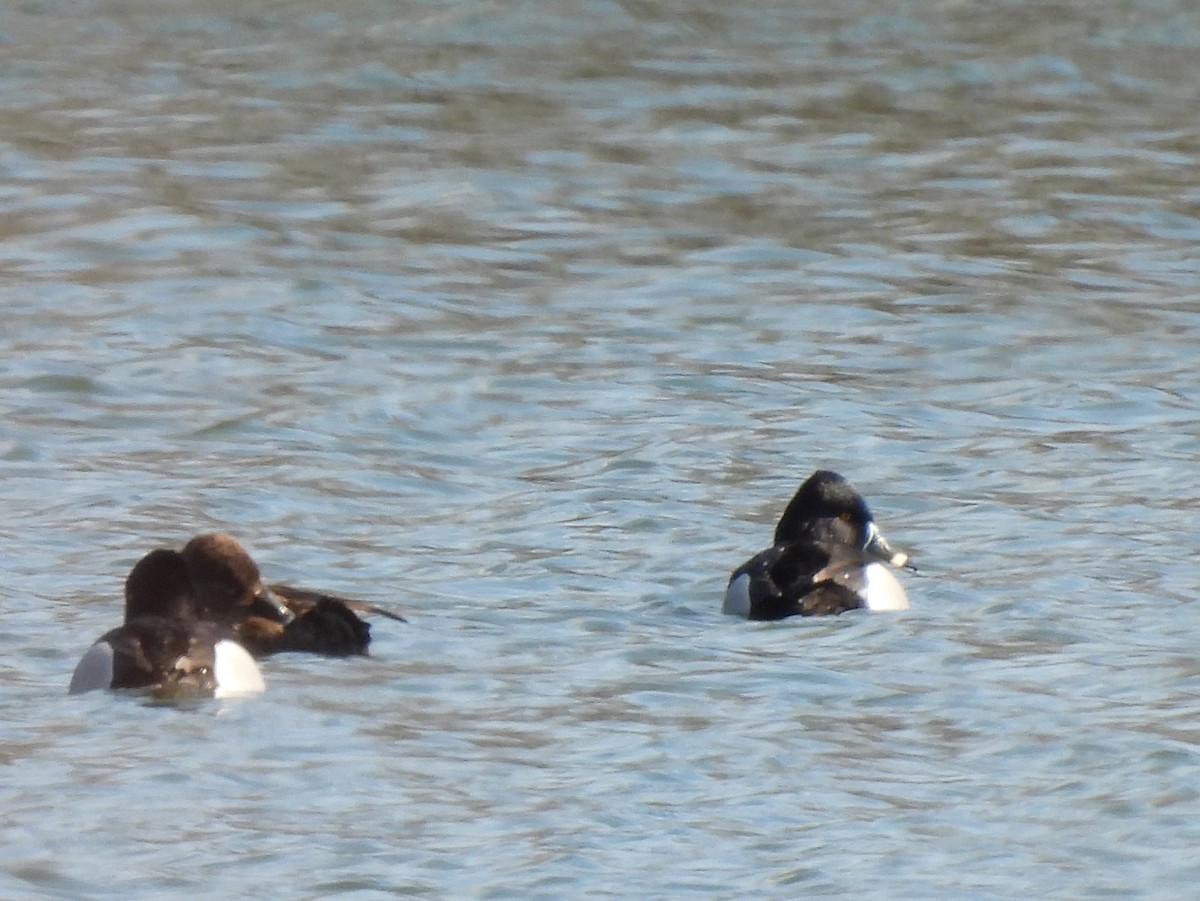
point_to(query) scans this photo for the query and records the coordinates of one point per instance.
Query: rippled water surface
(528, 318)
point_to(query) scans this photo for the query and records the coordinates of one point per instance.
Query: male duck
(828, 556)
(162, 646)
(230, 590)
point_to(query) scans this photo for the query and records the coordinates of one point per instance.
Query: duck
(827, 557)
(275, 618)
(162, 647)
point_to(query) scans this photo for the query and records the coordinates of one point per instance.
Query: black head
(159, 585)
(826, 508)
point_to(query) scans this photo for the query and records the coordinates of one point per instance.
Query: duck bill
(270, 607)
(878, 546)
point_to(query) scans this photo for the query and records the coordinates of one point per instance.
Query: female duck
(270, 619)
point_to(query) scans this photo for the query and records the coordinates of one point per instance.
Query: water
(528, 319)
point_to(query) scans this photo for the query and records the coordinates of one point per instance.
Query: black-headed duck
(828, 556)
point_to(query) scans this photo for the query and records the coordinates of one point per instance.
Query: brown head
(159, 585)
(226, 581)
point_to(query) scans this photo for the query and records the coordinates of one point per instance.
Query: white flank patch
(94, 671)
(236, 671)
(882, 590)
(737, 597)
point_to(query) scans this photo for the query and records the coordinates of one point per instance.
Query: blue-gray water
(528, 318)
